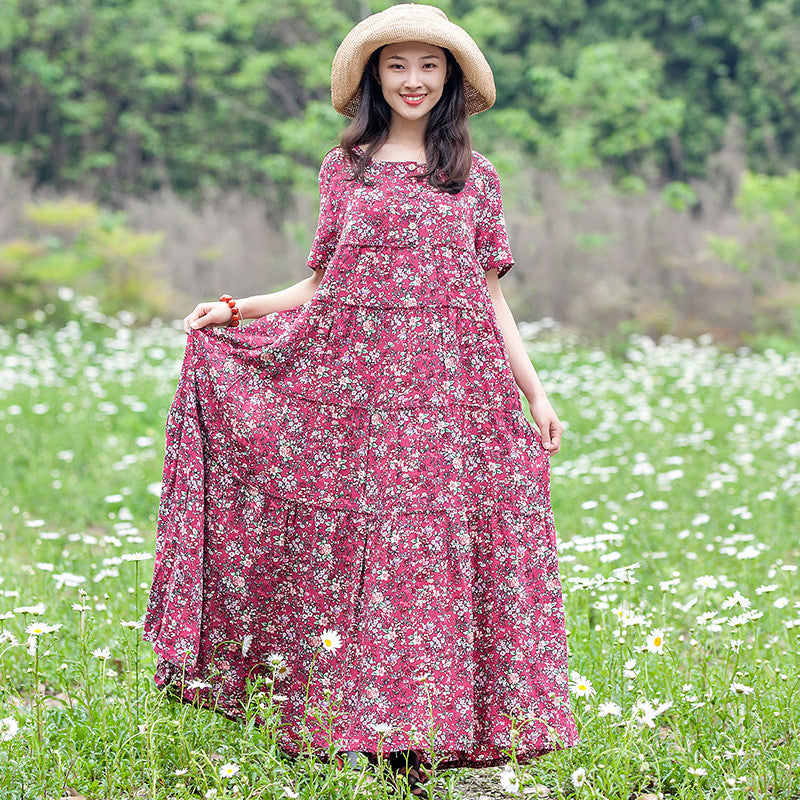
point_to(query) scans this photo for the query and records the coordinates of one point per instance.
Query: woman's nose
(413, 80)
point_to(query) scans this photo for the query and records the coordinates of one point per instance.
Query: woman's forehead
(411, 50)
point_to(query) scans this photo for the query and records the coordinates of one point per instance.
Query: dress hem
(174, 693)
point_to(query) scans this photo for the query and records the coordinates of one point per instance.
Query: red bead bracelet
(236, 316)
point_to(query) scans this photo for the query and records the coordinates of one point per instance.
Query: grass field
(676, 496)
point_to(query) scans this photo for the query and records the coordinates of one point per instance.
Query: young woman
(352, 491)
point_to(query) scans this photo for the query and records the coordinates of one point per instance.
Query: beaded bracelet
(226, 298)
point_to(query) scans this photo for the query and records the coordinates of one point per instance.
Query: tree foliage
(129, 95)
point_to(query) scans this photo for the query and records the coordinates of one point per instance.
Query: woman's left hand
(548, 423)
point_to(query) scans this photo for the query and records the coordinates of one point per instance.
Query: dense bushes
(128, 97)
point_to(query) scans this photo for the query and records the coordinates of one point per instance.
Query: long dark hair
(448, 150)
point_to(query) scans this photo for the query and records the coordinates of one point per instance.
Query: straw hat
(408, 22)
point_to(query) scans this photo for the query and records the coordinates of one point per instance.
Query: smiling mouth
(413, 99)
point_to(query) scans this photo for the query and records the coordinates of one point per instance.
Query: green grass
(679, 463)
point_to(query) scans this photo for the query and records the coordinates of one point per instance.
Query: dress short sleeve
(491, 236)
(327, 235)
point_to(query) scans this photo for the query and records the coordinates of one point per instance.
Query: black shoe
(407, 765)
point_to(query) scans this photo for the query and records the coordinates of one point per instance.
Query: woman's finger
(555, 438)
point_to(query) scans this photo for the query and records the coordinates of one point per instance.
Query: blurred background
(154, 153)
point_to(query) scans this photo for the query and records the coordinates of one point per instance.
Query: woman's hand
(207, 314)
(548, 423)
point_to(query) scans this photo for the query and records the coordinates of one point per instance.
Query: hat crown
(402, 9)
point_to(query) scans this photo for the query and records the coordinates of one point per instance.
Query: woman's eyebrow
(402, 58)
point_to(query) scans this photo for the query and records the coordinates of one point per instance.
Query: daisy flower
(246, 642)
(136, 556)
(102, 653)
(276, 660)
(8, 729)
(645, 713)
(609, 709)
(655, 641)
(508, 781)
(741, 688)
(578, 777)
(382, 727)
(40, 628)
(228, 770)
(706, 582)
(579, 685)
(331, 640)
(39, 608)
(737, 598)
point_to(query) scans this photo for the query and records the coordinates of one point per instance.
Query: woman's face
(412, 76)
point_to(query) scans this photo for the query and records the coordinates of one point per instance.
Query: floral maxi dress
(362, 463)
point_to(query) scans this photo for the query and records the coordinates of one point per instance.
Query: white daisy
(8, 729)
(136, 556)
(382, 727)
(655, 641)
(40, 628)
(609, 709)
(741, 688)
(706, 582)
(508, 781)
(102, 653)
(697, 770)
(276, 660)
(737, 598)
(246, 642)
(579, 685)
(578, 777)
(331, 640)
(39, 608)
(228, 770)
(645, 712)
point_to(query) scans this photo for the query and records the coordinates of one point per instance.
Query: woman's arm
(524, 374)
(256, 306)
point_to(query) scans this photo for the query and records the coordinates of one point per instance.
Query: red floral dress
(362, 463)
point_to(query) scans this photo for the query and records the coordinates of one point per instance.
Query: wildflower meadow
(676, 495)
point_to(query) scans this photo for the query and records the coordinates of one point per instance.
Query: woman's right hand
(207, 314)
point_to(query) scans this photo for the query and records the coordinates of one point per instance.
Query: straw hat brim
(409, 22)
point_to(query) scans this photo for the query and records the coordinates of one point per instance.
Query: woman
(351, 484)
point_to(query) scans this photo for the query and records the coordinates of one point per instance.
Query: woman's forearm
(524, 373)
(259, 305)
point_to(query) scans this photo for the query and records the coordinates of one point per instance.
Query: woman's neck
(405, 141)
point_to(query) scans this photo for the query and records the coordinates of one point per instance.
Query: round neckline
(379, 161)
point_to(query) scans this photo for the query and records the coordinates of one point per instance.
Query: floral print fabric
(362, 462)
